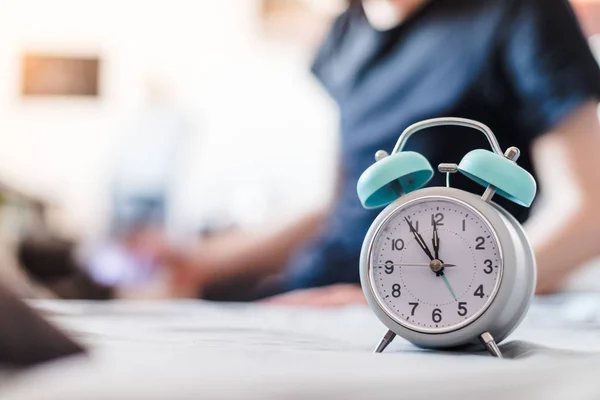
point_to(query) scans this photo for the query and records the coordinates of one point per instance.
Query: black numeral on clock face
(415, 225)
(480, 243)
(462, 309)
(397, 244)
(488, 267)
(479, 292)
(414, 308)
(396, 290)
(389, 267)
(436, 315)
(436, 219)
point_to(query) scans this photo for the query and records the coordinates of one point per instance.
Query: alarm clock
(442, 267)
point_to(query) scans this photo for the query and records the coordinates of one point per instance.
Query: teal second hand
(448, 286)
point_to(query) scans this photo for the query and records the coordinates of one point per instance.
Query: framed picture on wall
(59, 75)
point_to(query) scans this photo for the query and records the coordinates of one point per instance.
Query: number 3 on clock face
(435, 264)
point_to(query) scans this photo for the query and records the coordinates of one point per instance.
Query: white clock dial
(401, 273)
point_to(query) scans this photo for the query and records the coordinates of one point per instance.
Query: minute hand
(419, 239)
(436, 242)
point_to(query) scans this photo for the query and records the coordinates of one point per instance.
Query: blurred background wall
(237, 87)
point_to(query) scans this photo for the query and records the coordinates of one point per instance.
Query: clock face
(431, 288)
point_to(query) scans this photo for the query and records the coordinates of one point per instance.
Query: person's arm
(264, 254)
(554, 86)
(571, 218)
(240, 254)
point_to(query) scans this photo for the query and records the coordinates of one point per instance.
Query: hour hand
(419, 239)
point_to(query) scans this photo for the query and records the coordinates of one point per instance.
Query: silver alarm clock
(442, 267)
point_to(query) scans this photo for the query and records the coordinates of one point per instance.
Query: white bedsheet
(194, 349)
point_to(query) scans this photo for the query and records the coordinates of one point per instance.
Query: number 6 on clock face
(441, 276)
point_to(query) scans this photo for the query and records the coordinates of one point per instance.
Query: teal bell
(392, 176)
(510, 180)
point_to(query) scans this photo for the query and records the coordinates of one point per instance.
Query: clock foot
(385, 341)
(490, 344)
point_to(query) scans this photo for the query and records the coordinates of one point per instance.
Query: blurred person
(523, 67)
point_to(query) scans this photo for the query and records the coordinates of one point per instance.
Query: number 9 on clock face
(435, 265)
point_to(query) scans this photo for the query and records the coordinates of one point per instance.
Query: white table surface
(195, 349)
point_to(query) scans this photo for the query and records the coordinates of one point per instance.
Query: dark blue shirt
(519, 66)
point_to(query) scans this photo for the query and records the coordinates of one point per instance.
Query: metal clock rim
(384, 307)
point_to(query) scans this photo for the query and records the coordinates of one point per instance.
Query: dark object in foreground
(26, 338)
(50, 262)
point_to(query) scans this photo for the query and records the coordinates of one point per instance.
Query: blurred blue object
(148, 162)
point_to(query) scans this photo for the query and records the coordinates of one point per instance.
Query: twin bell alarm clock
(442, 267)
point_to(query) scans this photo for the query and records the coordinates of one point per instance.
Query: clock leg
(490, 344)
(385, 341)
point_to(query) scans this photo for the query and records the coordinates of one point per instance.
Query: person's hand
(186, 274)
(329, 296)
(562, 255)
(183, 270)
(550, 280)
(148, 243)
